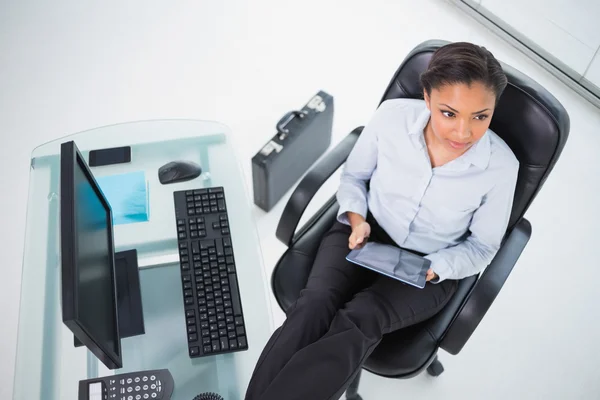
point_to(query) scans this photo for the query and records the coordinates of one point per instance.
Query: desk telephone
(142, 385)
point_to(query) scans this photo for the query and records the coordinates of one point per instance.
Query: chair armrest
(310, 184)
(486, 289)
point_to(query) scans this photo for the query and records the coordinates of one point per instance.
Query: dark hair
(464, 62)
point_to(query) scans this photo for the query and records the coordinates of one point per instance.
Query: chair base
(435, 368)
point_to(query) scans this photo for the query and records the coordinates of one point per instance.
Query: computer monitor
(89, 283)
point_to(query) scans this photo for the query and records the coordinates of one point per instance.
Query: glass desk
(48, 366)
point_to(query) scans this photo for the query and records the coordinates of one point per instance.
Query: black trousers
(337, 321)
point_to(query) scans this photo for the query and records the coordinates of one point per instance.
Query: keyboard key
(191, 321)
(239, 321)
(219, 246)
(227, 242)
(192, 337)
(229, 319)
(206, 244)
(207, 349)
(233, 344)
(204, 325)
(213, 328)
(235, 297)
(206, 341)
(214, 335)
(231, 327)
(190, 313)
(216, 345)
(240, 331)
(181, 222)
(224, 344)
(222, 325)
(191, 329)
(218, 189)
(189, 301)
(186, 278)
(225, 231)
(194, 351)
(205, 333)
(228, 251)
(232, 335)
(187, 285)
(223, 332)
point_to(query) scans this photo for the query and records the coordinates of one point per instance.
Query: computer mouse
(178, 171)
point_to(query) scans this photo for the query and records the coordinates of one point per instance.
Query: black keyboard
(213, 310)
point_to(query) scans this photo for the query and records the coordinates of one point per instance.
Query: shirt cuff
(440, 266)
(356, 207)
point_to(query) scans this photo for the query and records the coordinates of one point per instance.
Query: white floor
(66, 66)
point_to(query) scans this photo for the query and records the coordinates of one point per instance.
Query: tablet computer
(392, 261)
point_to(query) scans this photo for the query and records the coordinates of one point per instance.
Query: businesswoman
(441, 184)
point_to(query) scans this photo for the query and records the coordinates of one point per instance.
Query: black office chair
(535, 126)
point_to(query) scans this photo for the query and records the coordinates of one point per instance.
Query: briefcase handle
(286, 119)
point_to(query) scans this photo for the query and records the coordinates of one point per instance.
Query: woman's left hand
(431, 275)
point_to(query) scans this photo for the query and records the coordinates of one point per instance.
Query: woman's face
(460, 114)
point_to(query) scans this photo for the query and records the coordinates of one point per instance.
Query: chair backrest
(528, 118)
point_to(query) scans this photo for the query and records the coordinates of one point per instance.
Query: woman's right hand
(360, 235)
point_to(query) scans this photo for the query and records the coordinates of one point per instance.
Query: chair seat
(403, 353)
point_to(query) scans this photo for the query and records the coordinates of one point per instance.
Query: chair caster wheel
(435, 368)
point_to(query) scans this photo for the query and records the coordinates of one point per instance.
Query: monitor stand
(129, 295)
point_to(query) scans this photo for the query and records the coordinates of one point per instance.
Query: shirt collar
(478, 154)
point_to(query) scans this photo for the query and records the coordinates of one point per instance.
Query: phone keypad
(141, 387)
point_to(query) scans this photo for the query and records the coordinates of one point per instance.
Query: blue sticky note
(127, 195)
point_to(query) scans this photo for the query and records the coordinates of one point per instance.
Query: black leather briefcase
(302, 137)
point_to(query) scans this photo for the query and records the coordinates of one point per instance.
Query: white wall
(593, 72)
(567, 29)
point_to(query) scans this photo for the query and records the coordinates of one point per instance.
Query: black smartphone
(115, 155)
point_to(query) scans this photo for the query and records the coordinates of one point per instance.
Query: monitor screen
(89, 280)
(96, 310)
